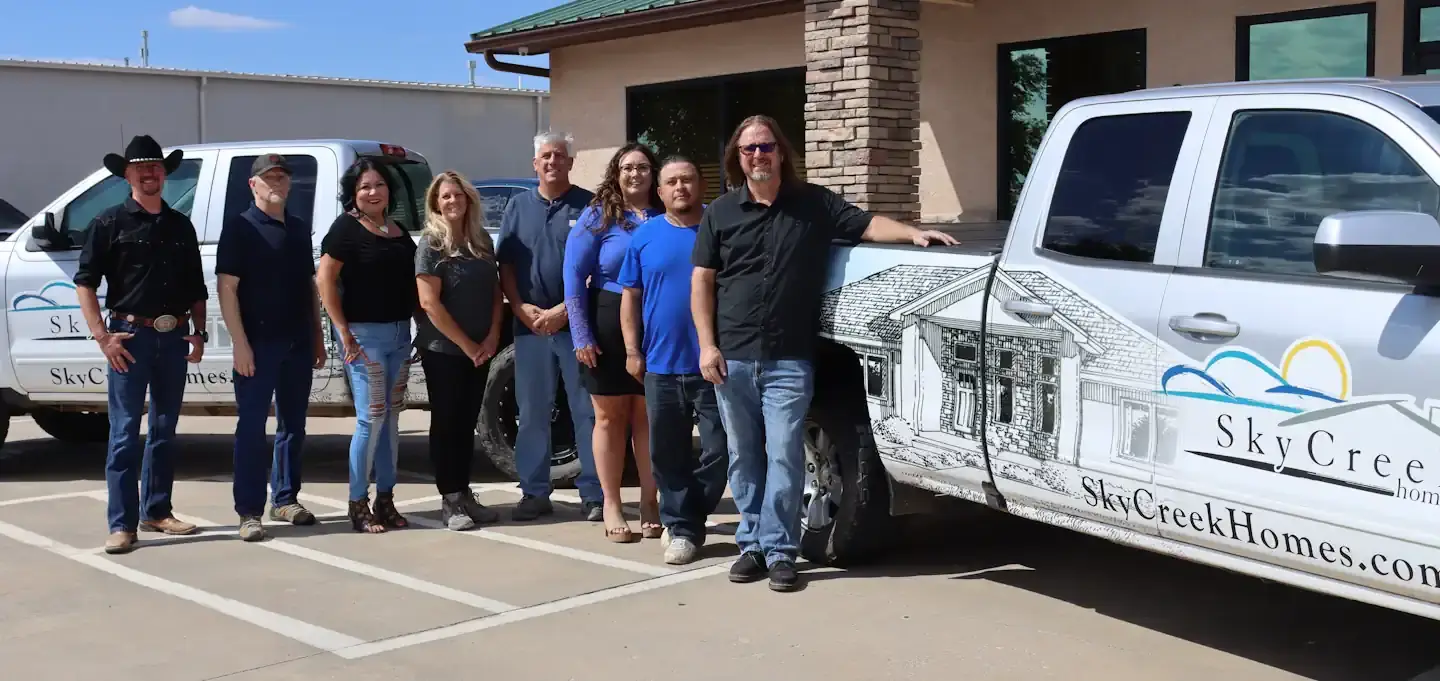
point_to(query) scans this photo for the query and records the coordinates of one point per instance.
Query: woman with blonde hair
(459, 289)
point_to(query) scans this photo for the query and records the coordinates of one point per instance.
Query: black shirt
(273, 261)
(149, 261)
(377, 281)
(467, 290)
(771, 264)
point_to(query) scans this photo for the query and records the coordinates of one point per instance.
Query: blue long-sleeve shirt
(598, 258)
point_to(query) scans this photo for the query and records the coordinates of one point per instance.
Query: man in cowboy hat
(148, 255)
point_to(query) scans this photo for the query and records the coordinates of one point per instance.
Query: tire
(4, 423)
(858, 520)
(74, 427)
(499, 423)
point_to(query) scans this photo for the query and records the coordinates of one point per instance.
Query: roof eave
(646, 22)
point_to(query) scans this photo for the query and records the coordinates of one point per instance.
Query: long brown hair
(471, 239)
(611, 198)
(735, 175)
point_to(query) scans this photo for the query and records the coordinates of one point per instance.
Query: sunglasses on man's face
(763, 147)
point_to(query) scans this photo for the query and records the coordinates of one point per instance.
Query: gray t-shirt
(467, 291)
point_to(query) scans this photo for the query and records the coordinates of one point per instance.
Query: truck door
(1070, 357)
(55, 357)
(1307, 418)
(314, 167)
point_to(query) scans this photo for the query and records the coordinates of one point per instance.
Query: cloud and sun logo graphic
(44, 299)
(1313, 373)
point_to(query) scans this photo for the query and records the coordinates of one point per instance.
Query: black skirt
(609, 376)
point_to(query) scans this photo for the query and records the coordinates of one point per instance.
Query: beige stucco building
(927, 109)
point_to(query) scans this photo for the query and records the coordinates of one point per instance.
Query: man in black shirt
(148, 256)
(760, 267)
(264, 269)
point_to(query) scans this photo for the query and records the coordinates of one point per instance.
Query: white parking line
(546, 547)
(359, 568)
(527, 613)
(53, 497)
(304, 632)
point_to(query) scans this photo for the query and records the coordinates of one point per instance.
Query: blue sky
(423, 41)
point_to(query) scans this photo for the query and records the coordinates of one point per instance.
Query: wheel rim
(562, 431)
(822, 479)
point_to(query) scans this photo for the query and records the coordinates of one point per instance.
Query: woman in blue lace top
(594, 253)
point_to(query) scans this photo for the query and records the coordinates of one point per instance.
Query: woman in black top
(366, 281)
(459, 288)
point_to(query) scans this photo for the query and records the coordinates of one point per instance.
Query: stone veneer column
(862, 102)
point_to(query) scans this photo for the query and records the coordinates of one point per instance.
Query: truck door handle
(1205, 324)
(1029, 307)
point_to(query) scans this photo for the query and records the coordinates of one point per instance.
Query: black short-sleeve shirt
(378, 278)
(771, 263)
(272, 259)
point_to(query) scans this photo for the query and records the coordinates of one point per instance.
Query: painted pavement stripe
(50, 497)
(304, 632)
(536, 545)
(527, 613)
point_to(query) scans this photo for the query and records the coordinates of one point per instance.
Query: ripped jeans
(377, 384)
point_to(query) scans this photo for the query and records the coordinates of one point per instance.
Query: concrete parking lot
(963, 594)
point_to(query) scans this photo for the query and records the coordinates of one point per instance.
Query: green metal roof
(575, 12)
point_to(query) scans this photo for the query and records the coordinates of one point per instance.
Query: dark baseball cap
(265, 162)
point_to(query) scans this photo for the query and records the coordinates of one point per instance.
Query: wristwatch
(204, 336)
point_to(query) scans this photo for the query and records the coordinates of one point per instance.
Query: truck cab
(54, 370)
(1210, 333)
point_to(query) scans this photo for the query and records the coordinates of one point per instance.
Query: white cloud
(195, 17)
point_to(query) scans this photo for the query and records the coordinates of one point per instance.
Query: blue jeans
(377, 384)
(282, 375)
(536, 361)
(159, 366)
(691, 485)
(763, 407)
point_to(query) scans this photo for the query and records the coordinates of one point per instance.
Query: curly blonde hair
(473, 241)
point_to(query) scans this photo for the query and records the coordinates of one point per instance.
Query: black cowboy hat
(142, 148)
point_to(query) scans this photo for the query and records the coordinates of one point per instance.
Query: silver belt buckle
(166, 323)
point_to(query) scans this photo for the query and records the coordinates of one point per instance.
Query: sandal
(651, 529)
(361, 519)
(620, 535)
(385, 509)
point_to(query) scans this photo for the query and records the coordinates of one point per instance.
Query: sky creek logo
(1301, 420)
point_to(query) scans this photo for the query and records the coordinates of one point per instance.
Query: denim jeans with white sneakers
(763, 406)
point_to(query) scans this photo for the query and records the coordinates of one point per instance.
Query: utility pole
(144, 48)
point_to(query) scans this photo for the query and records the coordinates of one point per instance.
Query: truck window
(302, 186)
(494, 200)
(1111, 191)
(1284, 171)
(408, 187)
(179, 192)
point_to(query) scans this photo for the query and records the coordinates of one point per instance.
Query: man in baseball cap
(265, 275)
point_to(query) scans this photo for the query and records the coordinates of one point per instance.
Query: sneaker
(750, 567)
(531, 508)
(783, 576)
(680, 550)
(594, 511)
(251, 529)
(295, 514)
(477, 511)
(452, 512)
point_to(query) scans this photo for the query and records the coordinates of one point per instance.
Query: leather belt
(163, 323)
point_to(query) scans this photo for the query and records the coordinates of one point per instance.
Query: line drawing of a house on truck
(916, 330)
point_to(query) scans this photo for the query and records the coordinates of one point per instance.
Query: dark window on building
(1006, 360)
(1111, 191)
(965, 352)
(1284, 171)
(1004, 400)
(1422, 37)
(695, 118)
(301, 202)
(1037, 78)
(1049, 366)
(877, 375)
(1328, 42)
(1045, 406)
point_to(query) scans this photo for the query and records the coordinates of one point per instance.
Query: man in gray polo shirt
(531, 253)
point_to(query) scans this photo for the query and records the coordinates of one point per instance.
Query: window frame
(1415, 54)
(883, 357)
(1244, 23)
(197, 205)
(246, 160)
(1202, 189)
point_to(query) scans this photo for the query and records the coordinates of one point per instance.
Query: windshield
(408, 189)
(1433, 112)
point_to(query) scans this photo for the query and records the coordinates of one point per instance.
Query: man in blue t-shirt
(663, 352)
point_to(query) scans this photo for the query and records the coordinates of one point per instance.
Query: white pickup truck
(1211, 333)
(54, 371)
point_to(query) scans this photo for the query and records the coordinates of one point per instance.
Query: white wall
(57, 123)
